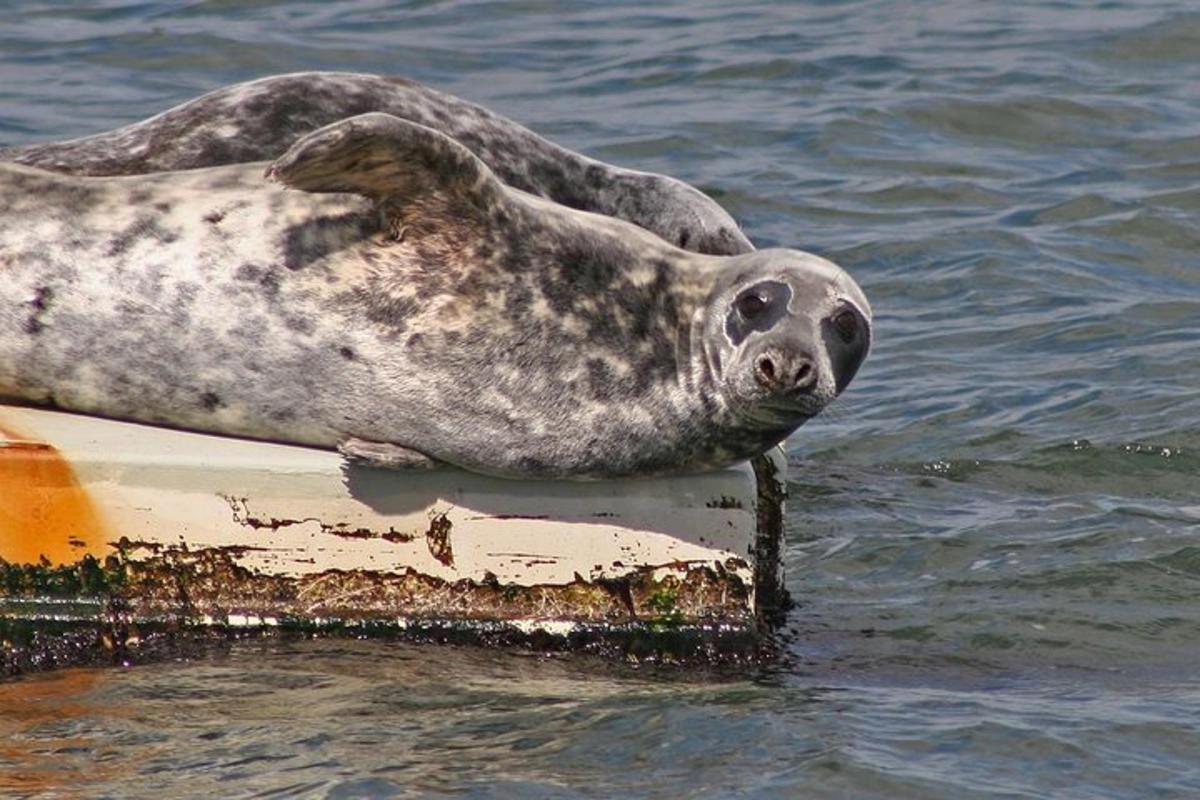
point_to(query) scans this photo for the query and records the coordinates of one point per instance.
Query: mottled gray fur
(258, 120)
(404, 295)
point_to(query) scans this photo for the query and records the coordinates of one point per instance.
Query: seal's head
(786, 331)
(678, 213)
(691, 220)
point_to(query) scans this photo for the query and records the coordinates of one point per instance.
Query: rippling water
(993, 540)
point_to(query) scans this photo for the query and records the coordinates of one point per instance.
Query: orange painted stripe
(44, 511)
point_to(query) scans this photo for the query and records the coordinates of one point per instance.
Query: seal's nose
(785, 373)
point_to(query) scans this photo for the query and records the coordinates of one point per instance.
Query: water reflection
(49, 735)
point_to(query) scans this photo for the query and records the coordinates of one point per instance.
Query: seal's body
(260, 119)
(406, 297)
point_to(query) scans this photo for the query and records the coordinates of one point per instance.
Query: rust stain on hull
(438, 539)
(45, 513)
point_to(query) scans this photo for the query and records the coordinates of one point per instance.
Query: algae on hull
(90, 613)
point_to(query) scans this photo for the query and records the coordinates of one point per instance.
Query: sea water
(993, 539)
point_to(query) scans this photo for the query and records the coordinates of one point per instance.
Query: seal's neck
(700, 359)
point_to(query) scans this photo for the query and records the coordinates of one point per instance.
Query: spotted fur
(258, 120)
(383, 285)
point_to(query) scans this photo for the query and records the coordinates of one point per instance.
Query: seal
(382, 291)
(258, 120)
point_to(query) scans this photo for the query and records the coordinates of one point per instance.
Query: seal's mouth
(776, 411)
(804, 406)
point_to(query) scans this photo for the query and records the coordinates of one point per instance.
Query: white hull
(214, 530)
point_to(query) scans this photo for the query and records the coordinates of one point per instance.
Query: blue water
(993, 538)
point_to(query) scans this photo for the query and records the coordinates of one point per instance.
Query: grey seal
(258, 120)
(381, 291)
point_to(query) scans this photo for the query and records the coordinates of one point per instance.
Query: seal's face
(793, 332)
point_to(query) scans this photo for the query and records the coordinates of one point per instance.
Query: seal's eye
(757, 308)
(845, 322)
(751, 306)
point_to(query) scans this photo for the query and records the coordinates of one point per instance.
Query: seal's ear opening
(385, 157)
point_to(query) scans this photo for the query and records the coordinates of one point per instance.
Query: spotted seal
(257, 121)
(380, 290)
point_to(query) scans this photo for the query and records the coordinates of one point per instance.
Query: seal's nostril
(765, 371)
(804, 374)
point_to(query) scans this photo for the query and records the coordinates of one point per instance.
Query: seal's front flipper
(387, 159)
(382, 454)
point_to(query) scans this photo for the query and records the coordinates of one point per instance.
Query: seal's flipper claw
(385, 157)
(382, 454)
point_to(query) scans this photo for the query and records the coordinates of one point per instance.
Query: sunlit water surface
(993, 539)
